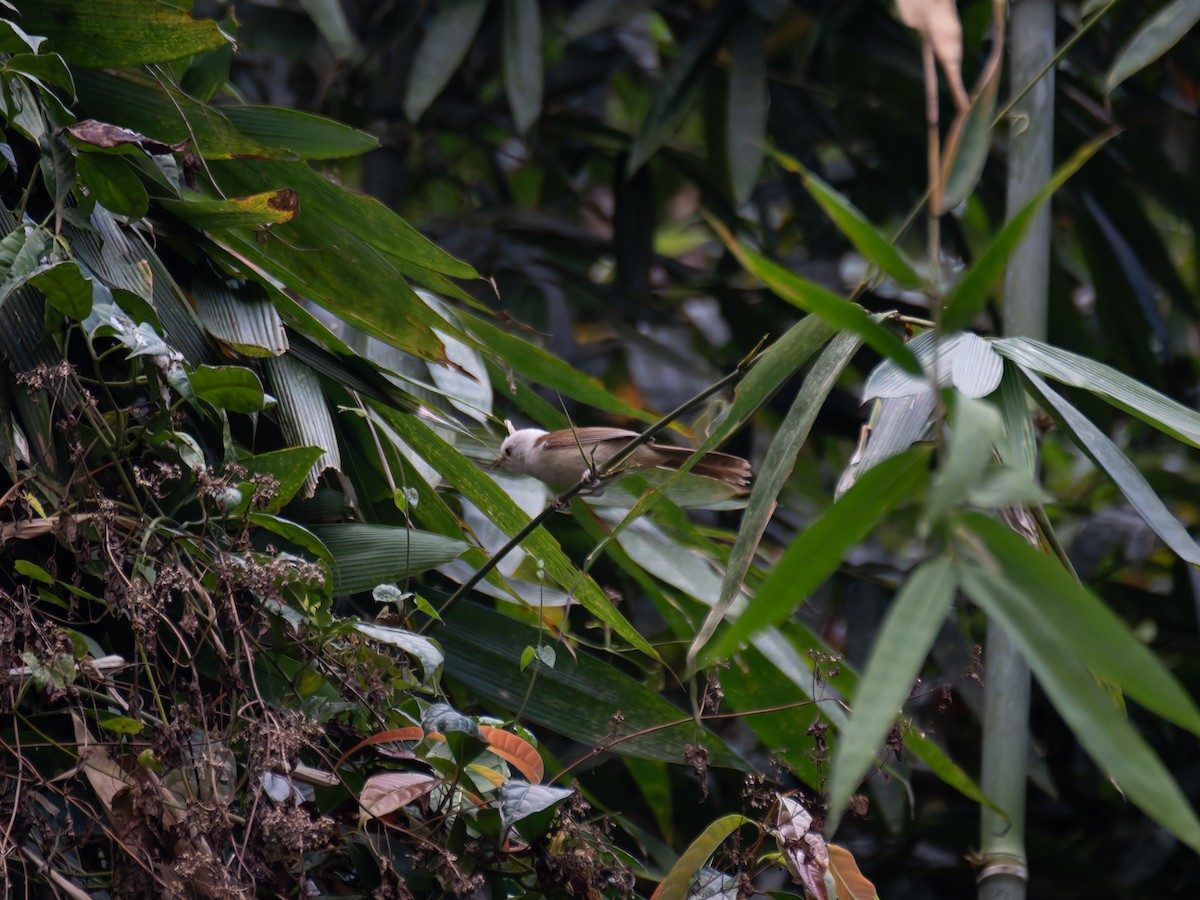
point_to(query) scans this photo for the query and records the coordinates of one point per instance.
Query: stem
(612, 467)
(1004, 775)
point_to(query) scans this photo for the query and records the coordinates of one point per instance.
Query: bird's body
(561, 458)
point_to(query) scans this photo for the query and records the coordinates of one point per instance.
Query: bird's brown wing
(592, 435)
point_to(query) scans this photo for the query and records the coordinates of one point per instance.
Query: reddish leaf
(851, 883)
(515, 750)
(407, 733)
(385, 793)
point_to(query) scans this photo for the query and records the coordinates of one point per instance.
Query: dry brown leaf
(385, 793)
(940, 27)
(851, 883)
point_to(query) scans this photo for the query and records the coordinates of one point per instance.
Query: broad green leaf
(970, 293)
(307, 135)
(165, 113)
(234, 388)
(674, 95)
(523, 61)
(1053, 601)
(30, 569)
(977, 427)
(448, 37)
(296, 534)
(66, 288)
(239, 315)
(578, 698)
(774, 472)
(496, 505)
(252, 211)
(1119, 389)
(1097, 445)
(113, 183)
(111, 33)
(367, 555)
(1100, 725)
(1157, 35)
(866, 238)
(288, 468)
(813, 298)
(303, 411)
(816, 553)
(903, 642)
(46, 68)
(746, 117)
(679, 880)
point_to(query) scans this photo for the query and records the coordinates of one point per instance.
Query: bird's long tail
(722, 466)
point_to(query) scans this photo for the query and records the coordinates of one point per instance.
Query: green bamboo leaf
(1097, 445)
(368, 555)
(977, 427)
(303, 412)
(234, 388)
(45, 69)
(815, 299)
(104, 33)
(448, 37)
(865, 237)
(1119, 389)
(816, 553)
(675, 93)
(1091, 631)
(774, 472)
(1157, 35)
(499, 507)
(577, 698)
(970, 146)
(523, 61)
(746, 117)
(306, 135)
(239, 315)
(970, 293)
(677, 884)
(1018, 449)
(903, 642)
(1100, 725)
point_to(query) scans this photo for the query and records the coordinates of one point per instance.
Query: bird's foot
(594, 485)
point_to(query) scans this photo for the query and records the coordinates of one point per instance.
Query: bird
(564, 457)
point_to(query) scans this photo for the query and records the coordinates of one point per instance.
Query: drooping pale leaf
(448, 36)
(933, 350)
(239, 315)
(677, 90)
(111, 33)
(1090, 630)
(902, 643)
(813, 298)
(66, 288)
(939, 26)
(975, 368)
(422, 649)
(866, 238)
(774, 471)
(896, 423)
(1119, 389)
(523, 61)
(679, 880)
(529, 807)
(366, 555)
(977, 427)
(495, 503)
(971, 291)
(234, 388)
(1097, 445)
(578, 698)
(1156, 36)
(1100, 724)
(970, 143)
(303, 412)
(746, 117)
(387, 792)
(816, 553)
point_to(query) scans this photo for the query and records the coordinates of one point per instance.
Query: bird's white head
(517, 451)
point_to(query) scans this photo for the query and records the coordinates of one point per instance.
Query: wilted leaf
(389, 791)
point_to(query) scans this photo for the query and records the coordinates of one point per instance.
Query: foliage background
(621, 278)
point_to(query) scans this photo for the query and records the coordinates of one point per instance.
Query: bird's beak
(496, 463)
